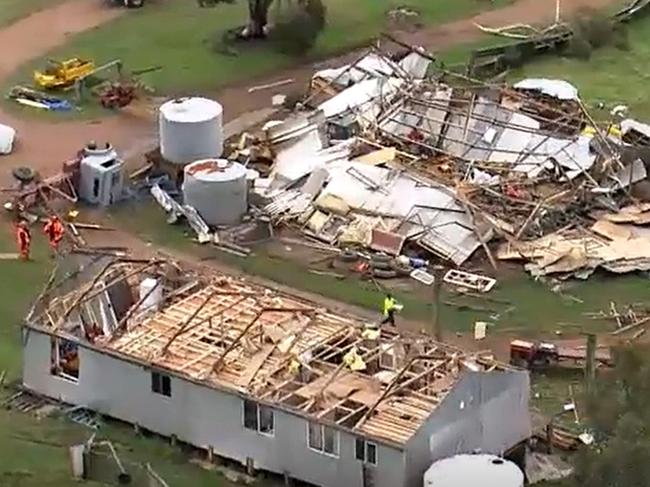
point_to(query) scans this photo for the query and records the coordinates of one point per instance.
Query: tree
(306, 16)
(258, 18)
(619, 412)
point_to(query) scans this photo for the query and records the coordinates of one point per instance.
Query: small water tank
(190, 129)
(217, 188)
(152, 292)
(474, 471)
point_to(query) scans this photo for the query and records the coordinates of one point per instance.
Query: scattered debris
(7, 136)
(480, 330)
(83, 416)
(422, 276)
(26, 402)
(38, 99)
(275, 84)
(468, 280)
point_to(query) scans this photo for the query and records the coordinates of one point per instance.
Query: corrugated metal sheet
(556, 88)
(429, 120)
(361, 96)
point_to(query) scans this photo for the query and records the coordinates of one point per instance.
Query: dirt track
(44, 144)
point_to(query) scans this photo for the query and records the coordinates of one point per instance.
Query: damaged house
(388, 157)
(264, 378)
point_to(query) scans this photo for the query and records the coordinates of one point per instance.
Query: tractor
(61, 74)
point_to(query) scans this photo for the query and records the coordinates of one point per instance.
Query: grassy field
(12, 10)
(33, 453)
(178, 35)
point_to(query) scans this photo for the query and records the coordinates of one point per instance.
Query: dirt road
(41, 144)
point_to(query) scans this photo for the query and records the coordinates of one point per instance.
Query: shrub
(297, 29)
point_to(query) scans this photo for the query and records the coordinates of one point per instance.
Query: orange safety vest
(23, 237)
(54, 230)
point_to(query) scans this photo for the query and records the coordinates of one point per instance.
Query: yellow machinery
(59, 74)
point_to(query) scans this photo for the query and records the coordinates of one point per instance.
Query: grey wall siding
(487, 412)
(202, 417)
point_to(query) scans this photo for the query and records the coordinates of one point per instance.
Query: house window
(258, 418)
(161, 384)
(323, 439)
(365, 451)
(64, 359)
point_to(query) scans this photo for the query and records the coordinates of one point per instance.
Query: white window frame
(365, 452)
(56, 343)
(322, 451)
(258, 407)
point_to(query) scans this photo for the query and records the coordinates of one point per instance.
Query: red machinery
(118, 95)
(534, 355)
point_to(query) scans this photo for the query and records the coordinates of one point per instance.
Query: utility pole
(436, 287)
(590, 363)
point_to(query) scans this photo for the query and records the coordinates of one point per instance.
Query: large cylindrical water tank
(217, 188)
(474, 471)
(190, 129)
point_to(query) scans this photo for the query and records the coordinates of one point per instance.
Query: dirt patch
(44, 145)
(521, 12)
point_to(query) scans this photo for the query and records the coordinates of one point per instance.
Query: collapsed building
(270, 380)
(397, 157)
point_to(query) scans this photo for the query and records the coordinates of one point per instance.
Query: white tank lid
(215, 170)
(190, 110)
(472, 471)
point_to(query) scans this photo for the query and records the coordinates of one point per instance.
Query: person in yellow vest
(390, 307)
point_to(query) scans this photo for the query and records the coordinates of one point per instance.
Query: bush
(598, 31)
(296, 31)
(592, 31)
(578, 47)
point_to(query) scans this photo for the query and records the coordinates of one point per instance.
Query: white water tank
(217, 188)
(152, 292)
(190, 129)
(474, 471)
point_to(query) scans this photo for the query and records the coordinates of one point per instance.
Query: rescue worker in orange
(24, 239)
(54, 230)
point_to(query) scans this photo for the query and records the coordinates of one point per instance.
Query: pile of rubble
(397, 157)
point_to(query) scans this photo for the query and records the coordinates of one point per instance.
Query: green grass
(177, 35)
(527, 308)
(611, 76)
(21, 282)
(12, 10)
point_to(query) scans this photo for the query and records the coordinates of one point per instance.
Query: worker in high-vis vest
(390, 307)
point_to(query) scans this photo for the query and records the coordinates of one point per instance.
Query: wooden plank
(254, 365)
